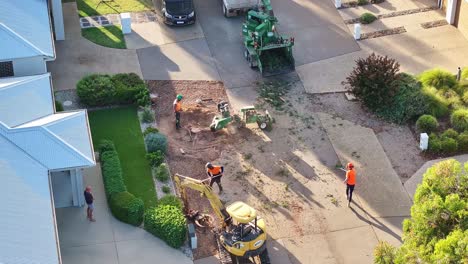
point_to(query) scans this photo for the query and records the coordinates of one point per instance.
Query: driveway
(108, 241)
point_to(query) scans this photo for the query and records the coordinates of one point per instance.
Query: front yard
(110, 36)
(121, 125)
(97, 7)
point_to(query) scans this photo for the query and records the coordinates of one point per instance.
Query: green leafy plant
(171, 200)
(166, 189)
(384, 253)
(128, 86)
(459, 119)
(367, 18)
(448, 145)
(427, 123)
(435, 144)
(127, 208)
(374, 81)
(58, 106)
(464, 74)
(438, 78)
(450, 133)
(162, 173)
(463, 141)
(106, 145)
(96, 90)
(438, 105)
(362, 2)
(377, 1)
(112, 173)
(147, 116)
(149, 130)
(155, 158)
(168, 223)
(155, 142)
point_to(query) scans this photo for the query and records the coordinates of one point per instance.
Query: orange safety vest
(178, 105)
(351, 174)
(215, 170)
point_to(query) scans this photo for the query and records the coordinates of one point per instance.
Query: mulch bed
(395, 14)
(382, 33)
(433, 24)
(352, 4)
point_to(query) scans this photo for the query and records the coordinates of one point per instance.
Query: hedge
(171, 200)
(168, 223)
(124, 205)
(104, 89)
(127, 208)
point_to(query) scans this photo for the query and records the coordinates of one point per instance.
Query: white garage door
(62, 189)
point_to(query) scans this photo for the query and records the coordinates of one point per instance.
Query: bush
(147, 116)
(438, 78)
(377, 1)
(171, 200)
(459, 119)
(408, 103)
(155, 158)
(149, 130)
(362, 2)
(438, 105)
(168, 223)
(367, 18)
(58, 106)
(166, 189)
(450, 133)
(384, 253)
(463, 141)
(96, 90)
(128, 86)
(374, 81)
(464, 75)
(435, 145)
(127, 208)
(426, 123)
(162, 173)
(106, 145)
(155, 142)
(112, 173)
(448, 145)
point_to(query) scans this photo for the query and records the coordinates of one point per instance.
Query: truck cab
(176, 12)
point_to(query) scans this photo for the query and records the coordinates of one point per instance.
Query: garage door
(62, 188)
(461, 17)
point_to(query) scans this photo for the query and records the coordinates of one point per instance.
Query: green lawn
(110, 36)
(94, 8)
(121, 125)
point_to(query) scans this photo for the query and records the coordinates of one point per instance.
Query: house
(26, 35)
(42, 152)
(456, 14)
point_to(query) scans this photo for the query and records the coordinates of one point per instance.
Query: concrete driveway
(108, 241)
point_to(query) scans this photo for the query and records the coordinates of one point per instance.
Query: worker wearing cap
(215, 173)
(350, 181)
(177, 109)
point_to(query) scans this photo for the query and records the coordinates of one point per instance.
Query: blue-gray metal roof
(25, 29)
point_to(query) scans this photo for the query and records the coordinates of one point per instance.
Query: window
(6, 69)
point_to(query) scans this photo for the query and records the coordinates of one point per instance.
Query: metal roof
(25, 29)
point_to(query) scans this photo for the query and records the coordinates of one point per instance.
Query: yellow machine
(243, 233)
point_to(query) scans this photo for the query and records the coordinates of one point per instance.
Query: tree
(437, 231)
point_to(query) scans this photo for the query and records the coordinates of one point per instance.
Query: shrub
(459, 119)
(166, 189)
(438, 105)
(435, 145)
(384, 253)
(127, 208)
(448, 145)
(58, 106)
(143, 97)
(128, 86)
(377, 1)
(367, 18)
(96, 90)
(162, 173)
(147, 116)
(426, 123)
(155, 142)
(112, 173)
(374, 81)
(438, 78)
(450, 133)
(155, 158)
(149, 130)
(452, 98)
(362, 2)
(168, 223)
(463, 141)
(171, 200)
(464, 75)
(106, 145)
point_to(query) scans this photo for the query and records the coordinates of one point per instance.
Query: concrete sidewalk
(108, 241)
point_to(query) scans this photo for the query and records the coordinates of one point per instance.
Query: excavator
(242, 234)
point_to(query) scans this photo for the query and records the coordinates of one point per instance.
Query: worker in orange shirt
(215, 173)
(177, 109)
(350, 181)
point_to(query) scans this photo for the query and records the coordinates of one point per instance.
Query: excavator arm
(183, 182)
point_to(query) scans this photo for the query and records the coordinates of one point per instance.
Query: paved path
(77, 56)
(108, 241)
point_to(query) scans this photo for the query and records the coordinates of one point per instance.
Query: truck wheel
(263, 125)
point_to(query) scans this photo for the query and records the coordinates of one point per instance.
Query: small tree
(374, 81)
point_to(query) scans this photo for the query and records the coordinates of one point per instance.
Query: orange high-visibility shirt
(178, 105)
(215, 170)
(351, 174)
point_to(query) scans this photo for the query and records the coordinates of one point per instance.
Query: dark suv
(178, 12)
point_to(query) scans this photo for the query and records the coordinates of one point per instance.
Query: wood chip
(182, 151)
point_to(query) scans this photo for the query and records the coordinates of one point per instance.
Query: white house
(26, 35)
(456, 14)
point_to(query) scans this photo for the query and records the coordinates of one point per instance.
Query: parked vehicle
(235, 7)
(176, 12)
